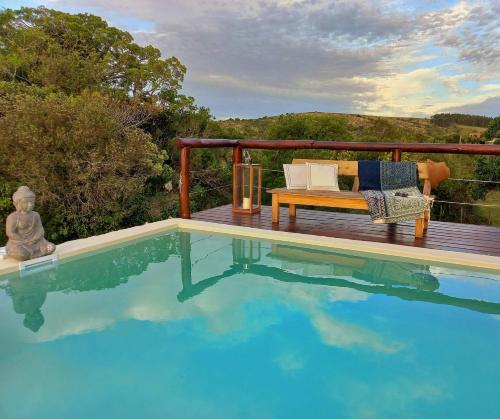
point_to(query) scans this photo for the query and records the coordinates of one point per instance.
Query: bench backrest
(350, 168)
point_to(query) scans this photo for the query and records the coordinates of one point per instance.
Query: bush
(85, 166)
(309, 127)
(493, 130)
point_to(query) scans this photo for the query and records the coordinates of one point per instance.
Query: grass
(492, 214)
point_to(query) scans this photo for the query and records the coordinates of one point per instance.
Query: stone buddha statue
(24, 229)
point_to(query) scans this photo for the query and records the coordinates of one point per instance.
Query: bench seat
(343, 199)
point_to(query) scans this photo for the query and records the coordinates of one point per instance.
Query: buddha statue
(24, 229)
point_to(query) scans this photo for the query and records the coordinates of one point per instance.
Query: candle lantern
(245, 253)
(247, 180)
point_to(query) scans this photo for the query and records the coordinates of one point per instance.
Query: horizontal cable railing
(212, 189)
(472, 204)
(475, 204)
(496, 182)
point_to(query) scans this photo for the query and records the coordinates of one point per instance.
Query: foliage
(72, 53)
(87, 117)
(493, 130)
(487, 168)
(6, 206)
(215, 129)
(448, 119)
(308, 127)
(85, 166)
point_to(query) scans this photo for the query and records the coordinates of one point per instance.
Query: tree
(72, 53)
(493, 130)
(448, 119)
(87, 168)
(309, 127)
(86, 118)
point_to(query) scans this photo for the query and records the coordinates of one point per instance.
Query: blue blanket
(394, 195)
(398, 175)
(369, 175)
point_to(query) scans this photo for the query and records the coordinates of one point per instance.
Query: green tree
(309, 127)
(71, 53)
(86, 167)
(87, 117)
(493, 130)
(448, 119)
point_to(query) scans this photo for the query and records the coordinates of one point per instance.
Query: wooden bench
(343, 199)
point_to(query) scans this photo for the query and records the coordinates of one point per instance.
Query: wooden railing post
(237, 155)
(396, 154)
(184, 205)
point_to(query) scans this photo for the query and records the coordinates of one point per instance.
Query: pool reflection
(276, 262)
(404, 280)
(105, 270)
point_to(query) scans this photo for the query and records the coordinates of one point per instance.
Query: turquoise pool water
(191, 325)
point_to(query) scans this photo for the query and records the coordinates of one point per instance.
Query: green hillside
(359, 127)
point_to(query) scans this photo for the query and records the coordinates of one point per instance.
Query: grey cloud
(476, 37)
(488, 107)
(270, 42)
(361, 21)
(277, 47)
(314, 51)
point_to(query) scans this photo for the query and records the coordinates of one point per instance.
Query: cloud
(344, 335)
(474, 32)
(487, 107)
(249, 58)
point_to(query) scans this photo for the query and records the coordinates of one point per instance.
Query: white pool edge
(77, 247)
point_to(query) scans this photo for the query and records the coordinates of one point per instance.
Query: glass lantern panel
(245, 186)
(246, 251)
(255, 186)
(241, 189)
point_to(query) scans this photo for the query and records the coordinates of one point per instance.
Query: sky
(250, 58)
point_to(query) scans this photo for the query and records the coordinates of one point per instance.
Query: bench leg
(419, 227)
(292, 210)
(427, 218)
(276, 209)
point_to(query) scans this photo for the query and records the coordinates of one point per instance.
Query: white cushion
(322, 177)
(295, 176)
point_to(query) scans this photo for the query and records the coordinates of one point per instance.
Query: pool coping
(415, 254)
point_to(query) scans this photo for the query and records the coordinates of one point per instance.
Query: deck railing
(186, 144)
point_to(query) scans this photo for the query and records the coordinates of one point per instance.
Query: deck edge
(387, 250)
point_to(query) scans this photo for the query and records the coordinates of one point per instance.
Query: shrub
(309, 127)
(85, 166)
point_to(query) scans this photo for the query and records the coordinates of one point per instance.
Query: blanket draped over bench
(391, 191)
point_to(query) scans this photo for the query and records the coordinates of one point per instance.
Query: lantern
(247, 179)
(245, 253)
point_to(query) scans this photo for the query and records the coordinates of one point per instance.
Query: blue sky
(387, 57)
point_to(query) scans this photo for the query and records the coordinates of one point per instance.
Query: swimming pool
(197, 325)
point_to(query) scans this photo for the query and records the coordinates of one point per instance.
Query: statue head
(34, 320)
(24, 199)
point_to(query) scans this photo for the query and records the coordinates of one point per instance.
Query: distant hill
(359, 127)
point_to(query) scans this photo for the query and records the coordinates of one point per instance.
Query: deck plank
(440, 235)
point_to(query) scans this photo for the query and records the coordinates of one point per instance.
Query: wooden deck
(440, 235)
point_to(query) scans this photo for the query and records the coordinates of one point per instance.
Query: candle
(246, 203)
